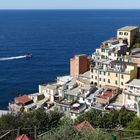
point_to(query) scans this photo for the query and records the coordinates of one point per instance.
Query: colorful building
(129, 33)
(111, 49)
(79, 64)
(131, 94)
(113, 73)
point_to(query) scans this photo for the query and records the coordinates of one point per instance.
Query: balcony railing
(79, 109)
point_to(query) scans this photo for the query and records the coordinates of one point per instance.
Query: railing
(119, 133)
(79, 109)
(13, 133)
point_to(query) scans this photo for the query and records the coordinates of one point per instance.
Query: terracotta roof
(106, 95)
(22, 137)
(84, 126)
(22, 99)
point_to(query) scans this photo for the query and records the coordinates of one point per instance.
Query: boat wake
(13, 58)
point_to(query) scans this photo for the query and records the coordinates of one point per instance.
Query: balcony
(57, 98)
(65, 102)
(78, 108)
(132, 91)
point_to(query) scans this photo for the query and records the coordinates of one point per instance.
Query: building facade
(111, 49)
(78, 65)
(114, 73)
(129, 33)
(131, 94)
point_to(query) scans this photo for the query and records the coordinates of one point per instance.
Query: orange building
(78, 65)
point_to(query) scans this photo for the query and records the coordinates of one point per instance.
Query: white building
(131, 94)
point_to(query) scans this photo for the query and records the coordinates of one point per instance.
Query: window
(95, 71)
(95, 84)
(100, 72)
(103, 50)
(92, 70)
(108, 73)
(96, 77)
(120, 33)
(61, 108)
(125, 33)
(116, 82)
(108, 80)
(135, 106)
(116, 75)
(100, 79)
(122, 76)
(129, 97)
(104, 73)
(136, 98)
(92, 76)
(122, 83)
(104, 80)
(65, 108)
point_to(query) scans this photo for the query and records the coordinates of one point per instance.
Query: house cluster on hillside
(106, 80)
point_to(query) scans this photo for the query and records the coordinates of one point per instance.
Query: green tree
(134, 124)
(110, 119)
(68, 132)
(39, 118)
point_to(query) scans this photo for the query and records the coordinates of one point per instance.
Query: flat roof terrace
(128, 28)
(134, 82)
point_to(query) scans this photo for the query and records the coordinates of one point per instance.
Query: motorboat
(28, 55)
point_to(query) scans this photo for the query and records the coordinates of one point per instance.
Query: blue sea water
(53, 37)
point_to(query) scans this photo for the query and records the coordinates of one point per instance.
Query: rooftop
(23, 137)
(78, 107)
(63, 79)
(119, 62)
(52, 86)
(85, 125)
(135, 50)
(106, 95)
(128, 28)
(134, 82)
(37, 104)
(23, 99)
(73, 91)
(85, 75)
(65, 102)
(104, 61)
(83, 80)
(91, 96)
(80, 55)
(136, 55)
(117, 45)
(110, 41)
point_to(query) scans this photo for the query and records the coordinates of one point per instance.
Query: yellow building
(115, 73)
(129, 33)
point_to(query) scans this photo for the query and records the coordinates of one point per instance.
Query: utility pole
(35, 132)
(120, 134)
(18, 131)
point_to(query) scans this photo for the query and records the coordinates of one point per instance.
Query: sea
(52, 37)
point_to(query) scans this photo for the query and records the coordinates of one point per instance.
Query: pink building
(78, 65)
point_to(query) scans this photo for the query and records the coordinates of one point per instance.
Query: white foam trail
(13, 58)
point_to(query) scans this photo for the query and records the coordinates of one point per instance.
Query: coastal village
(106, 80)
